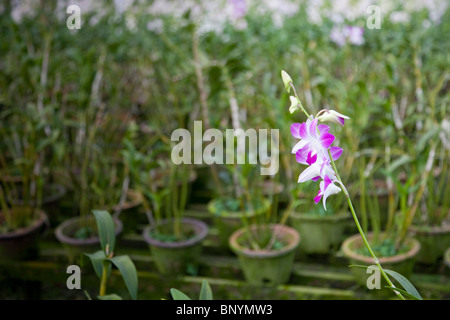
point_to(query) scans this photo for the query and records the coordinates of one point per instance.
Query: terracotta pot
(22, 243)
(178, 257)
(433, 242)
(228, 222)
(401, 263)
(266, 267)
(320, 234)
(76, 248)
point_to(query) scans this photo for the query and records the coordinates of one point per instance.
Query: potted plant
(78, 234)
(243, 201)
(264, 244)
(315, 150)
(22, 222)
(175, 241)
(91, 171)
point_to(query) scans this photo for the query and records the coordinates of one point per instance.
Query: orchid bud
(294, 104)
(332, 116)
(286, 80)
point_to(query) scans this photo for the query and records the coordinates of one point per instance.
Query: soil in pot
(321, 234)
(402, 261)
(23, 243)
(174, 256)
(266, 267)
(227, 217)
(78, 236)
(433, 241)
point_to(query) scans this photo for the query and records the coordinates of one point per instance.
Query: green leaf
(358, 266)
(404, 159)
(112, 296)
(106, 230)
(403, 292)
(405, 283)
(97, 261)
(423, 141)
(178, 295)
(206, 292)
(129, 273)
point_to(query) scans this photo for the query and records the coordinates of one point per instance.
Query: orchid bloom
(332, 116)
(312, 150)
(327, 188)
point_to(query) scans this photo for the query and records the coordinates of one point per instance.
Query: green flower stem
(104, 278)
(366, 243)
(298, 99)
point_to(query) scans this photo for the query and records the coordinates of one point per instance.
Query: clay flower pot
(320, 234)
(228, 222)
(75, 247)
(402, 263)
(266, 267)
(22, 243)
(433, 240)
(177, 257)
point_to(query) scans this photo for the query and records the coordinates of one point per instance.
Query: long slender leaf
(178, 295)
(403, 292)
(112, 296)
(206, 292)
(97, 261)
(129, 273)
(106, 230)
(405, 283)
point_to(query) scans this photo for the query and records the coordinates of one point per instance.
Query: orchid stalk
(314, 149)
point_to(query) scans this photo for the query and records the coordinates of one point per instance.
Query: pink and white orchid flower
(327, 188)
(314, 149)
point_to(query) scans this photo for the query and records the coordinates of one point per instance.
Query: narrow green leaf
(129, 273)
(358, 266)
(423, 141)
(106, 230)
(178, 295)
(403, 292)
(206, 292)
(112, 296)
(402, 160)
(405, 283)
(97, 260)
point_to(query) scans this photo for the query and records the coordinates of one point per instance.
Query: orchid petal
(326, 139)
(301, 155)
(317, 198)
(311, 158)
(336, 152)
(323, 128)
(309, 173)
(313, 128)
(295, 127)
(299, 145)
(303, 131)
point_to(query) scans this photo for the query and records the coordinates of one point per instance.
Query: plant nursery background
(93, 97)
